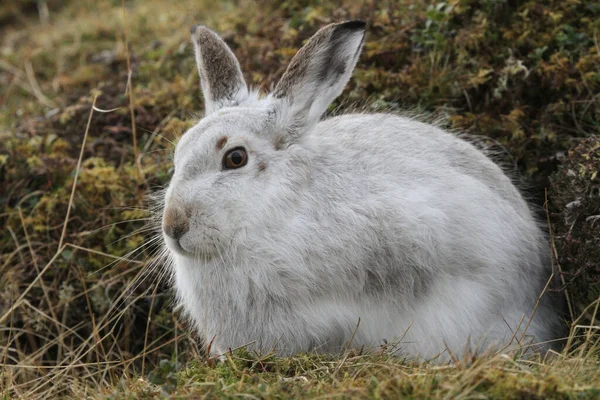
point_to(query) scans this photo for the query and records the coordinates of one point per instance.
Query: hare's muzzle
(175, 221)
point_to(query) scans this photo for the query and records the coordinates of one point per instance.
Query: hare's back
(399, 146)
(451, 203)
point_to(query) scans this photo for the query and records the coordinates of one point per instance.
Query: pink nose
(175, 221)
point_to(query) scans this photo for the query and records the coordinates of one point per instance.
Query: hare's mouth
(175, 246)
(184, 248)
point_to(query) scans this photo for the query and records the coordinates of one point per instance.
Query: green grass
(375, 376)
(85, 314)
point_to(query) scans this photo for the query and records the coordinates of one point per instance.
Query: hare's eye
(235, 158)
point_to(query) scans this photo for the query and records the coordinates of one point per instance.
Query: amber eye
(235, 158)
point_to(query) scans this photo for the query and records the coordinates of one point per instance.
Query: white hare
(285, 230)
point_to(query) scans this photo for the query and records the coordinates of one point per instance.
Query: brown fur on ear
(307, 59)
(220, 74)
(317, 75)
(300, 64)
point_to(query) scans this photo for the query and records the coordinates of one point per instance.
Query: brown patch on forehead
(222, 142)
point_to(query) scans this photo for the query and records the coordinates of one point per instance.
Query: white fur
(365, 216)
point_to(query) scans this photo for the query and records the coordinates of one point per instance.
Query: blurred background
(81, 300)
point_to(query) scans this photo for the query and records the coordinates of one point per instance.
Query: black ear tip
(354, 25)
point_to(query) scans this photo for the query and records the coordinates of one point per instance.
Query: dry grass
(93, 95)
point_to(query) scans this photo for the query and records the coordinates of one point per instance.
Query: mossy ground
(82, 315)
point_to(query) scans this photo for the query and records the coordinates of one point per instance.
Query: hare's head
(242, 165)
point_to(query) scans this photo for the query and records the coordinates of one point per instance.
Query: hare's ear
(318, 73)
(220, 75)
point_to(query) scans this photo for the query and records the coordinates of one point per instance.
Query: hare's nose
(175, 221)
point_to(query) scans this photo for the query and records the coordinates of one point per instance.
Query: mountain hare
(292, 233)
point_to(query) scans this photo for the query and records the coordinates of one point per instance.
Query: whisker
(143, 229)
(129, 256)
(118, 223)
(154, 263)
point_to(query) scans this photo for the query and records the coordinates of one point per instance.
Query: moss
(367, 376)
(575, 200)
